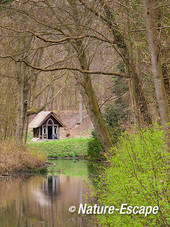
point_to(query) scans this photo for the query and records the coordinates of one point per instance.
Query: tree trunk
(90, 100)
(20, 128)
(80, 108)
(152, 35)
(23, 86)
(94, 112)
(86, 88)
(139, 98)
(26, 129)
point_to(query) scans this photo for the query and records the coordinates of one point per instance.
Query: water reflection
(42, 201)
(51, 186)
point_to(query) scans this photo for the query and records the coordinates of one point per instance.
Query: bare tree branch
(65, 68)
(63, 40)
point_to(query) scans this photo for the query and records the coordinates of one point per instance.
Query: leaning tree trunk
(86, 88)
(92, 107)
(152, 35)
(139, 100)
(91, 103)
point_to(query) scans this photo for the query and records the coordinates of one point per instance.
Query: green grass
(29, 136)
(69, 147)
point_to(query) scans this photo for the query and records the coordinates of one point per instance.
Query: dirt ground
(75, 128)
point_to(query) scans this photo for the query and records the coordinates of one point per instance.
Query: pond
(44, 200)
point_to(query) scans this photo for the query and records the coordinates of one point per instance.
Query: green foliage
(121, 67)
(95, 169)
(112, 116)
(137, 175)
(70, 147)
(95, 151)
(94, 148)
(29, 136)
(116, 115)
(112, 14)
(5, 1)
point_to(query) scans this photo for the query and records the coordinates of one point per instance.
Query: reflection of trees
(51, 186)
(9, 190)
(42, 202)
(14, 198)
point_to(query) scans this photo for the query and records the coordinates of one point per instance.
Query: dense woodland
(109, 56)
(105, 59)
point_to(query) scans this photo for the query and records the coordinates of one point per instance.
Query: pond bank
(44, 200)
(24, 173)
(16, 158)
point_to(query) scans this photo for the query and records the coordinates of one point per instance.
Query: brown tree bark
(152, 35)
(90, 101)
(139, 98)
(80, 108)
(86, 88)
(23, 86)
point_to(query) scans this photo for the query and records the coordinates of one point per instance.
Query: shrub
(94, 151)
(137, 176)
(16, 157)
(116, 120)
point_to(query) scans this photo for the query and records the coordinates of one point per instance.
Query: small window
(50, 122)
(44, 130)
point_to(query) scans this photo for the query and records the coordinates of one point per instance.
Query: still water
(44, 200)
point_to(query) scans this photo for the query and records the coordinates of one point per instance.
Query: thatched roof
(41, 117)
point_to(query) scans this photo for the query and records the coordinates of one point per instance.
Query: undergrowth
(17, 158)
(137, 176)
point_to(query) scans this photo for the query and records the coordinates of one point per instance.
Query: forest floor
(63, 148)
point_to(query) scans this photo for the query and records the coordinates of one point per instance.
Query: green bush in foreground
(137, 176)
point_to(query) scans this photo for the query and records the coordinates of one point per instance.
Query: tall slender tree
(154, 43)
